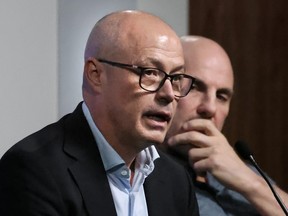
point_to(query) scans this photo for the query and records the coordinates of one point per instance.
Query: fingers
(209, 151)
(193, 138)
(204, 159)
(198, 133)
(203, 143)
(201, 125)
(198, 159)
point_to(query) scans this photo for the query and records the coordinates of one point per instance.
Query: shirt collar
(111, 159)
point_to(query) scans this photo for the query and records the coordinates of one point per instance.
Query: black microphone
(243, 151)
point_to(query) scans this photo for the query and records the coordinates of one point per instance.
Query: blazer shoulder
(39, 139)
(50, 135)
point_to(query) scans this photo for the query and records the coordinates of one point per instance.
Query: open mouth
(159, 117)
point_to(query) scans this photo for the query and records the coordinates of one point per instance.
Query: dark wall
(255, 35)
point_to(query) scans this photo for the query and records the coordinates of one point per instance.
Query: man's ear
(93, 74)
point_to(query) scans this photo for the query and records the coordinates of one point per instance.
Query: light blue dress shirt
(129, 199)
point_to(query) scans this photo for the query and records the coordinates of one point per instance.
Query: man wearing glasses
(101, 159)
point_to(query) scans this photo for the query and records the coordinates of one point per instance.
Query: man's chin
(156, 140)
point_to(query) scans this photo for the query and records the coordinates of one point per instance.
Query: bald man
(101, 159)
(225, 185)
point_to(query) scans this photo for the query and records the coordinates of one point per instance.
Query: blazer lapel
(157, 192)
(88, 170)
(94, 187)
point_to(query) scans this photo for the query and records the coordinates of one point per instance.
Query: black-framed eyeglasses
(152, 79)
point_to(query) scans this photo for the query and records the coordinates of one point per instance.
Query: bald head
(211, 96)
(120, 34)
(131, 37)
(201, 52)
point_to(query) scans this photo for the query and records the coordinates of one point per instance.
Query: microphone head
(242, 150)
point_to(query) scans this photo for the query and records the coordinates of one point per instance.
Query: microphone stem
(280, 202)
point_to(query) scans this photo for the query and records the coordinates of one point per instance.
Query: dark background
(255, 35)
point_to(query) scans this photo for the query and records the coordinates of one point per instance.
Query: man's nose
(166, 92)
(207, 107)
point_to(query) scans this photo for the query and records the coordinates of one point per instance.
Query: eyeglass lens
(153, 79)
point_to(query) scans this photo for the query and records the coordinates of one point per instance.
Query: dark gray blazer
(58, 171)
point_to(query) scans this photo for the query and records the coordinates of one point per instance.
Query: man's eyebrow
(152, 61)
(159, 65)
(202, 85)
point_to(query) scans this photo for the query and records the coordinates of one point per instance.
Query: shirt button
(124, 172)
(147, 166)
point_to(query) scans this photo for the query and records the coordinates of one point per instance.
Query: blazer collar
(87, 170)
